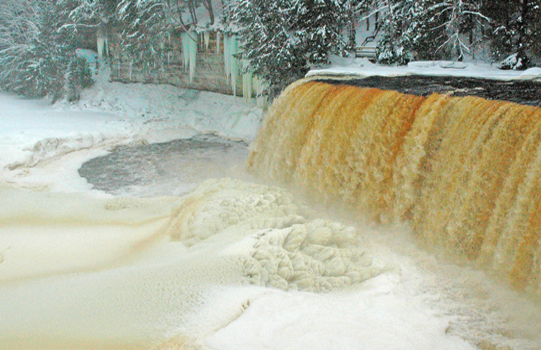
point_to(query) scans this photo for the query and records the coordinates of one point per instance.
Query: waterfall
(463, 172)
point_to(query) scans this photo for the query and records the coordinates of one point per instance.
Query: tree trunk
(352, 32)
(522, 40)
(208, 6)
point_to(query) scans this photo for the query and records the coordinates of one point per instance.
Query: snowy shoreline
(364, 68)
(35, 134)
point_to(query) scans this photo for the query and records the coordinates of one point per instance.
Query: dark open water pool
(171, 168)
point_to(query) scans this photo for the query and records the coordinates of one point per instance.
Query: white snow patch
(364, 68)
(531, 74)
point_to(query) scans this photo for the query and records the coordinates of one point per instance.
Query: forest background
(281, 40)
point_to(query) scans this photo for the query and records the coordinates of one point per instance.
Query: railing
(364, 51)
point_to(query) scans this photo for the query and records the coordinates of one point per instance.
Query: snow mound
(422, 64)
(285, 250)
(435, 64)
(453, 65)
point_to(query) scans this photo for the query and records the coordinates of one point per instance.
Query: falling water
(463, 172)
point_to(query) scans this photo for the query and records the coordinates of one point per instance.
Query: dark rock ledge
(519, 91)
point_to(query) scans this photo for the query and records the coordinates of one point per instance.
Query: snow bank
(32, 130)
(531, 74)
(364, 68)
(160, 112)
(52, 147)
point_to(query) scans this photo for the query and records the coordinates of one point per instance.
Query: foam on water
(287, 250)
(81, 271)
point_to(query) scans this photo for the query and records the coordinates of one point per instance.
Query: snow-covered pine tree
(79, 77)
(281, 39)
(534, 29)
(144, 30)
(19, 27)
(405, 26)
(37, 50)
(515, 31)
(38, 69)
(457, 18)
(321, 24)
(429, 29)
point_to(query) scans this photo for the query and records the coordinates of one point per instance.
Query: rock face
(523, 92)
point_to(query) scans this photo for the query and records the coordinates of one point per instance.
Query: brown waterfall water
(463, 172)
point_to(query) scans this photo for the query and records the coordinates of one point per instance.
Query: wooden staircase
(365, 51)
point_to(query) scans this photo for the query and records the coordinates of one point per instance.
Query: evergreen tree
(428, 29)
(79, 77)
(402, 25)
(19, 27)
(534, 29)
(456, 18)
(145, 29)
(37, 61)
(281, 39)
(515, 30)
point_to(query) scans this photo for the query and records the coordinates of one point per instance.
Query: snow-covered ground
(109, 114)
(362, 67)
(83, 269)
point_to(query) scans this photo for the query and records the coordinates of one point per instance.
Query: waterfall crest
(464, 172)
